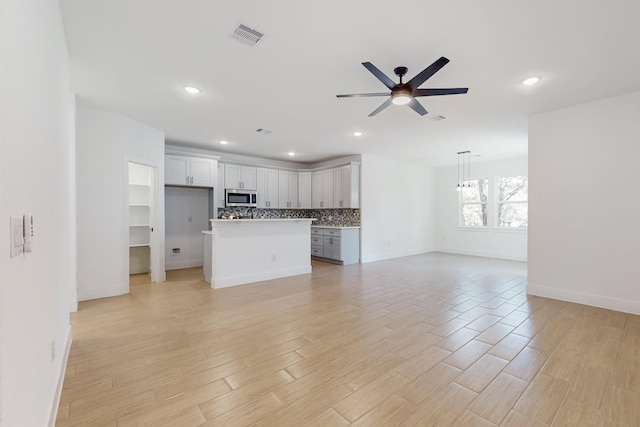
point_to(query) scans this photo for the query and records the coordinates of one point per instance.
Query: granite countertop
(335, 226)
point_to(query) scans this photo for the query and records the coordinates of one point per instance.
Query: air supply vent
(264, 131)
(247, 35)
(437, 118)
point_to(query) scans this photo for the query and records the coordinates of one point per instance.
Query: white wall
(490, 242)
(397, 209)
(187, 215)
(35, 143)
(106, 142)
(583, 218)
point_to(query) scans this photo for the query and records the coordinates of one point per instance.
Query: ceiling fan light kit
(406, 93)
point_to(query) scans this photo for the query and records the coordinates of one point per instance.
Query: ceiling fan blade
(435, 92)
(380, 108)
(417, 107)
(355, 95)
(427, 72)
(380, 75)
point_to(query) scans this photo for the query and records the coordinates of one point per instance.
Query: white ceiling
(134, 57)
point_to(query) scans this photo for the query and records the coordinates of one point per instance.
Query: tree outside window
(473, 203)
(512, 198)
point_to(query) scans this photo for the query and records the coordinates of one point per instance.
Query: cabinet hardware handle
(187, 178)
(191, 180)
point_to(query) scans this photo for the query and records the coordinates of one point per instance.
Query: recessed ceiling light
(192, 90)
(357, 134)
(531, 81)
(291, 153)
(223, 142)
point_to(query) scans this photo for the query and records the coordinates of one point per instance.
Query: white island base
(250, 250)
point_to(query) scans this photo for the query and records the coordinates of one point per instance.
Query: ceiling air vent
(437, 118)
(265, 131)
(247, 35)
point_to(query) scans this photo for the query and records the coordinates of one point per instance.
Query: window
(512, 198)
(473, 203)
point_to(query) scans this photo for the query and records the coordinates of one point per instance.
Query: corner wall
(35, 145)
(396, 208)
(490, 242)
(106, 142)
(584, 204)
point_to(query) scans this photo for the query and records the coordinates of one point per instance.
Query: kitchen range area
(268, 222)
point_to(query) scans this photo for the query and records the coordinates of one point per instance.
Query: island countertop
(258, 220)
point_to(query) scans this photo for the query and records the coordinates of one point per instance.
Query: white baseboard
(381, 256)
(602, 301)
(53, 411)
(509, 257)
(225, 282)
(102, 292)
(187, 263)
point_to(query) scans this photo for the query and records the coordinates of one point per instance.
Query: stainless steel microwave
(240, 197)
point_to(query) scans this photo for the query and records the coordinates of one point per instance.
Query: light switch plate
(16, 239)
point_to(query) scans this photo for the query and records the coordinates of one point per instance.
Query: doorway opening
(142, 208)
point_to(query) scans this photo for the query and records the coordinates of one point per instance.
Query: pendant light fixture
(464, 170)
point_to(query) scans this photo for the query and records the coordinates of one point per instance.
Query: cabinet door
(293, 190)
(176, 170)
(316, 190)
(261, 187)
(327, 189)
(338, 201)
(202, 171)
(248, 178)
(232, 176)
(304, 190)
(218, 192)
(283, 189)
(331, 247)
(350, 186)
(272, 188)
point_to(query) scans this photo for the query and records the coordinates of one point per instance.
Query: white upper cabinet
(203, 174)
(190, 171)
(304, 190)
(346, 186)
(267, 187)
(236, 176)
(322, 189)
(288, 190)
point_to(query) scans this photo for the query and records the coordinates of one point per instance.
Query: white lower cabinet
(336, 244)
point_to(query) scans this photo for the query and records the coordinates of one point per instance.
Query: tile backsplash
(332, 217)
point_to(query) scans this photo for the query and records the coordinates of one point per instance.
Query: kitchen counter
(263, 220)
(239, 251)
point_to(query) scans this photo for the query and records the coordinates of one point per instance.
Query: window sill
(496, 229)
(484, 229)
(511, 230)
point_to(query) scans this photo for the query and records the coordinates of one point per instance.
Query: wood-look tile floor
(428, 340)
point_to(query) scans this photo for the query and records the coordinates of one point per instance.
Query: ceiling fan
(406, 93)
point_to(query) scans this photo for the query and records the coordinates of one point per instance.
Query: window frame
(462, 204)
(499, 203)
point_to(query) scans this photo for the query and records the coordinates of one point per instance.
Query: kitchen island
(239, 251)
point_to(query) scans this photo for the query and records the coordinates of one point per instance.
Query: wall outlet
(175, 251)
(53, 350)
